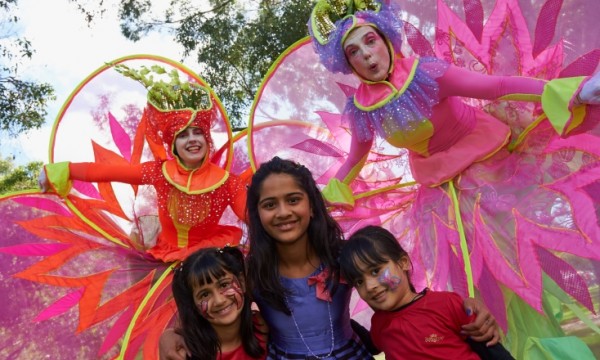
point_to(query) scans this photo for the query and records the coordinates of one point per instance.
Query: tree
(18, 178)
(22, 102)
(235, 41)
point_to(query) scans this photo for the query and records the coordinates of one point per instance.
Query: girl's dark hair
(371, 246)
(324, 234)
(203, 267)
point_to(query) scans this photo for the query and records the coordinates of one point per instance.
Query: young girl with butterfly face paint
(215, 315)
(407, 324)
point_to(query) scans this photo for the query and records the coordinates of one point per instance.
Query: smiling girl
(214, 312)
(407, 324)
(292, 266)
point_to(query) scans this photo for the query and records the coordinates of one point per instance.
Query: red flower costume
(91, 250)
(190, 201)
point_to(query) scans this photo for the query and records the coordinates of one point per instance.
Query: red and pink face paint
(233, 291)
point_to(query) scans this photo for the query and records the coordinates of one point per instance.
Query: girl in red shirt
(407, 324)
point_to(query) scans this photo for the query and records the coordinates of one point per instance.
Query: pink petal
(417, 41)
(87, 189)
(61, 306)
(43, 204)
(360, 306)
(546, 24)
(117, 331)
(474, 16)
(347, 89)
(34, 249)
(120, 137)
(584, 65)
(317, 147)
(566, 277)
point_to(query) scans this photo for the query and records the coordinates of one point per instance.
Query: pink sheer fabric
(530, 212)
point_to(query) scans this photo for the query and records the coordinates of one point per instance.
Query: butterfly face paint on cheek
(389, 280)
(204, 309)
(234, 290)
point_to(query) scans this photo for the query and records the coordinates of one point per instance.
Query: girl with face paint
(215, 315)
(407, 324)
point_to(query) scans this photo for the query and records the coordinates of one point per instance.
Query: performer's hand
(171, 346)
(43, 182)
(484, 328)
(337, 193)
(590, 92)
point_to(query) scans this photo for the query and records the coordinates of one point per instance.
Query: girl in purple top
(293, 267)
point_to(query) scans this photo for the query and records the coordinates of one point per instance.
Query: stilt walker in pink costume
(491, 182)
(141, 174)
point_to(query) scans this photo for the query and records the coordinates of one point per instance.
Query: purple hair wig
(386, 21)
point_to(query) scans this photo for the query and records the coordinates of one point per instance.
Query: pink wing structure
(530, 215)
(76, 279)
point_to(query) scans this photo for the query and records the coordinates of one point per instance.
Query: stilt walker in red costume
(99, 243)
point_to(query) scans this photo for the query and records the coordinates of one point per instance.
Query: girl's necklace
(302, 336)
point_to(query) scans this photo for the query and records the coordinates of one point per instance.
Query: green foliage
(5, 4)
(170, 95)
(18, 178)
(22, 102)
(235, 41)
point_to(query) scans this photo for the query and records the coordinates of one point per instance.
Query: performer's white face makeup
(386, 286)
(367, 53)
(191, 147)
(221, 301)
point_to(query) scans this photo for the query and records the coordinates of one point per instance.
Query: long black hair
(371, 246)
(324, 234)
(202, 267)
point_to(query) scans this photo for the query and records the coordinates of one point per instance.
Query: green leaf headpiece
(171, 95)
(326, 12)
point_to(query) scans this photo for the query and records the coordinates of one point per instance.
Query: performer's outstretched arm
(337, 191)
(458, 81)
(59, 176)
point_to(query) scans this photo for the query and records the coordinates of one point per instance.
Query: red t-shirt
(239, 353)
(428, 328)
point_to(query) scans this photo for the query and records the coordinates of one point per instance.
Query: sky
(67, 51)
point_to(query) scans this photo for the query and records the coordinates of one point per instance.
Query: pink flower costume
(504, 203)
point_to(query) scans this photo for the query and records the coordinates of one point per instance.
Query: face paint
(235, 291)
(389, 280)
(232, 291)
(204, 309)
